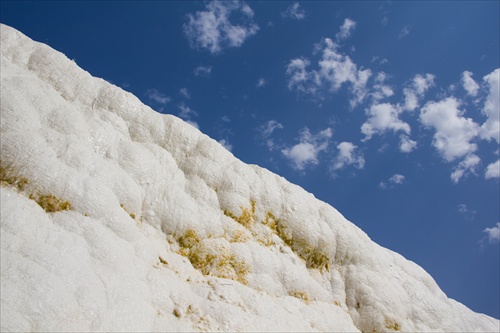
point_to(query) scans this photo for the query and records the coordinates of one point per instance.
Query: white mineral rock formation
(117, 218)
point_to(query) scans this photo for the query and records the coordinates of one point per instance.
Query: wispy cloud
(267, 129)
(405, 31)
(185, 93)
(395, 179)
(203, 71)
(306, 151)
(225, 143)
(265, 132)
(187, 114)
(213, 30)
(156, 96)
(465, 167)
(294, 12)
(346, 29)
(261, 82)
(468, 213)
(348, 154)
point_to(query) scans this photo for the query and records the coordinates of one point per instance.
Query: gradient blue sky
(389, 111)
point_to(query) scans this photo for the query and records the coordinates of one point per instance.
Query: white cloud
(396, 179)
(294, 12)
(212, 29)
(307, 150)
(203, 71)
(406, 145)
(381, 90)
(419, 86)
(226, 144)
(261, 82)
(300, 79)
(158, 97)
(493, 170)
(491, 127)
(468, 165)
(411, 100)
(381, 118)
(348, 155)
(469, 84)
(493, 234)
(423, 83)
(454, 133)
(335, 69)
(184, 92)
(405, 31)
(346, 29)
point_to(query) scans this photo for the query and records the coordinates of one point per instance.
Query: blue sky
(389, 111)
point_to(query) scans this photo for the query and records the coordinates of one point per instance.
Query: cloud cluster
(213, 28)
(455, 135)
(306, 151)
(384, 117)
(229, 24)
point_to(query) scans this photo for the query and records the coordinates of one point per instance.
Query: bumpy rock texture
(115, 217)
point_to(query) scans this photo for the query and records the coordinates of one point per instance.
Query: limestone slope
(117, 218)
